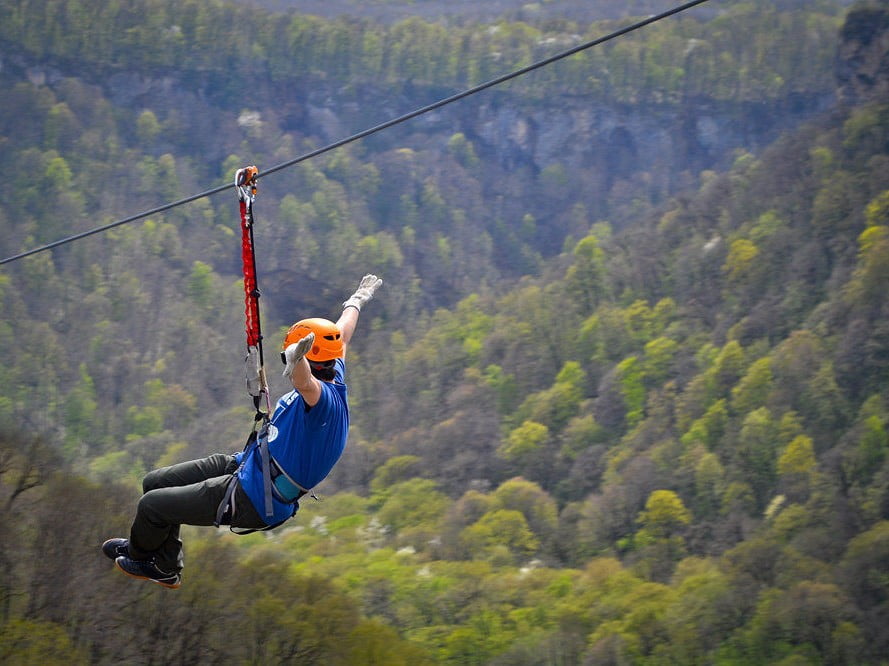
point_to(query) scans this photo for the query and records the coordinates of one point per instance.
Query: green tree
(797, 466)
(870, 280)
(463, 150)
(834, 206)
(377, 644)
(62, 127)
(729, 365)
(80, 410)
(664, 514)
(535, 504)
(659, 354)
(709, 483)
(395, 470)
(586, 276)
(864, 564)
(659, 542)
(752, 392)
(741, 260)
(757, 453)
(708, 429)
(705, 609)
(631, 377)
(412, 503)
(877, 211)
(638, 623)
(147, 128)
(35, 642)
(172, 402)
(524, 441)
(798, 458)
(863, 461)
(199, 287)
(501, 536)
(805, 616)
(555, 406)
(143, 421)
(58, 174)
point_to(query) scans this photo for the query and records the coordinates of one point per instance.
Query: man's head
(327, 347)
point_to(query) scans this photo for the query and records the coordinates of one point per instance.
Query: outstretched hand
(366, 288)
(294, 353)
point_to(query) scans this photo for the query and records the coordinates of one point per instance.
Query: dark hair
(324, 370)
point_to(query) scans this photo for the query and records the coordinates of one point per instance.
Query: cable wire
(373, 130)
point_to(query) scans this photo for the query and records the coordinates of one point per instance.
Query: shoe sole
(117, 552)
(172, 586)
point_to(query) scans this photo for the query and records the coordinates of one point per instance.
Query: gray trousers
(187, 493)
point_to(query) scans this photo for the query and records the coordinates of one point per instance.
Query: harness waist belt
(285, 488)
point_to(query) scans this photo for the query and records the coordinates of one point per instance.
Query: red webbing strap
(251, 290)
(245, 182)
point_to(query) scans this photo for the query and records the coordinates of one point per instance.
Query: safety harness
(276, 482)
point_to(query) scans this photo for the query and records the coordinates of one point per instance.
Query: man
(253, 489)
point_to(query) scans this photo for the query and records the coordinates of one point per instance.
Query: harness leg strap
(226, 500)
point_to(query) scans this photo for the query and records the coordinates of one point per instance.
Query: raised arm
(347, 323)
(348, 320)
(297, 368)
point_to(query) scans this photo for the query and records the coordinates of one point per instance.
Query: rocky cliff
(612, 140)
(863, 55)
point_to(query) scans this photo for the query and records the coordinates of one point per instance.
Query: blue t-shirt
(306, 443)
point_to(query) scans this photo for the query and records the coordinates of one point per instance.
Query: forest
(605, 409)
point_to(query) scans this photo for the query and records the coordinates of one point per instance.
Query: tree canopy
(596, 418)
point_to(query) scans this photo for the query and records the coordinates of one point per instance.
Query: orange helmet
(328, 338)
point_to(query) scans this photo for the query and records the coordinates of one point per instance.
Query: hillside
(462, 11)
(652, 431)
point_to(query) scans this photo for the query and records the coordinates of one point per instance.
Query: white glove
(364, 293)
(294, 353)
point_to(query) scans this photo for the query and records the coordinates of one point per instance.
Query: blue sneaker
(147, 570)
(114, 548)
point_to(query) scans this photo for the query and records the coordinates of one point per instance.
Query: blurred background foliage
(600, 414)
